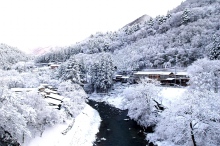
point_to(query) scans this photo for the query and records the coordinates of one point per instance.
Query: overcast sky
(29, 24)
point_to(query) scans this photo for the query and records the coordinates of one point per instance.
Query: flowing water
(116, 128)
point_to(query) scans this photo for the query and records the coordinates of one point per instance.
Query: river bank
(83, 132)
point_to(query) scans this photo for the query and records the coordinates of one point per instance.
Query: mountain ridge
(181, 37)
(144, 18)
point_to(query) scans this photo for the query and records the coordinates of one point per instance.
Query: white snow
(114, 98)
(55, 96)
(169, 79)
(170, 95)
(23, 89)
(83, 132)
(53, 101)
(164, 143)
(151, 73)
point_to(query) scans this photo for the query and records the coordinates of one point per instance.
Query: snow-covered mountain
(44, 50)
(140, 20)
(184, 35)
(10, 55)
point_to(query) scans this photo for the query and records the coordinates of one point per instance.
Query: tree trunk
(23, 138)
(216, 83)
(192, 135)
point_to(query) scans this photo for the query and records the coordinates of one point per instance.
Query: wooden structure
(165, 78)
(54, 66)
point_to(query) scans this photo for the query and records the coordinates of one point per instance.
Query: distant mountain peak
(44, 50)
(139, 20)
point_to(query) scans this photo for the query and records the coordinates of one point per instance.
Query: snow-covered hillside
(10, 55)
(177, 39)
(82, 133)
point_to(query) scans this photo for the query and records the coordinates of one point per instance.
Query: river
(116, 128)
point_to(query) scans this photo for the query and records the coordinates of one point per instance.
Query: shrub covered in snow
(193, 120)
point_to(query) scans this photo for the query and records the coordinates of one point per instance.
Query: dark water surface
(116, 128)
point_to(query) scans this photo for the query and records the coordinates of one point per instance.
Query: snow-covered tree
(186, 16)
(75, 98)
(13, 124)
(102, 73)
(204, 74)
(70, 70)
(214, 53)
(193, 120)
(23, 66)
(10, 55)
(142, 101)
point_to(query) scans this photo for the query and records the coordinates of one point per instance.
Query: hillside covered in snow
(184, 35)
(10, 55)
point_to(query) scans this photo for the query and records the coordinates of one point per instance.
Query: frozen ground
(83, 132)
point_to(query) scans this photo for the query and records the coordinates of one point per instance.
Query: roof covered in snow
(53, 101)
(55, 96)
(182, 73)
(152, 73)
(170, 79)
(23, 89)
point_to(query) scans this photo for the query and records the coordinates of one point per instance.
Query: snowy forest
(188, 37)
(188, 32)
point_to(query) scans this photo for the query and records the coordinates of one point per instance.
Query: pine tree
(94, 75)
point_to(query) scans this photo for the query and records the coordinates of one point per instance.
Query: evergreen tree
(185, 16)
(70, 70)
(214, 53)
(102, 73)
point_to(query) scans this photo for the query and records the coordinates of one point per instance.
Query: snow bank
(83, 132)
(113, 100)
(171, 95)
(164, 143)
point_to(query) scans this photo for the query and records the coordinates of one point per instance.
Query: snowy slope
(83, 132)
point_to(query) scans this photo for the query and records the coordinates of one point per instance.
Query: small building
(124, 79)
(168, 81)
(41, 88)
(54, 66)
(49, 91)
(55, 96)
(153, 75)
(166, 78)
(117, 78)
(121, 78)
(17, 90)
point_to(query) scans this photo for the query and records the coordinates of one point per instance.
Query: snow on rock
(83, 132)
